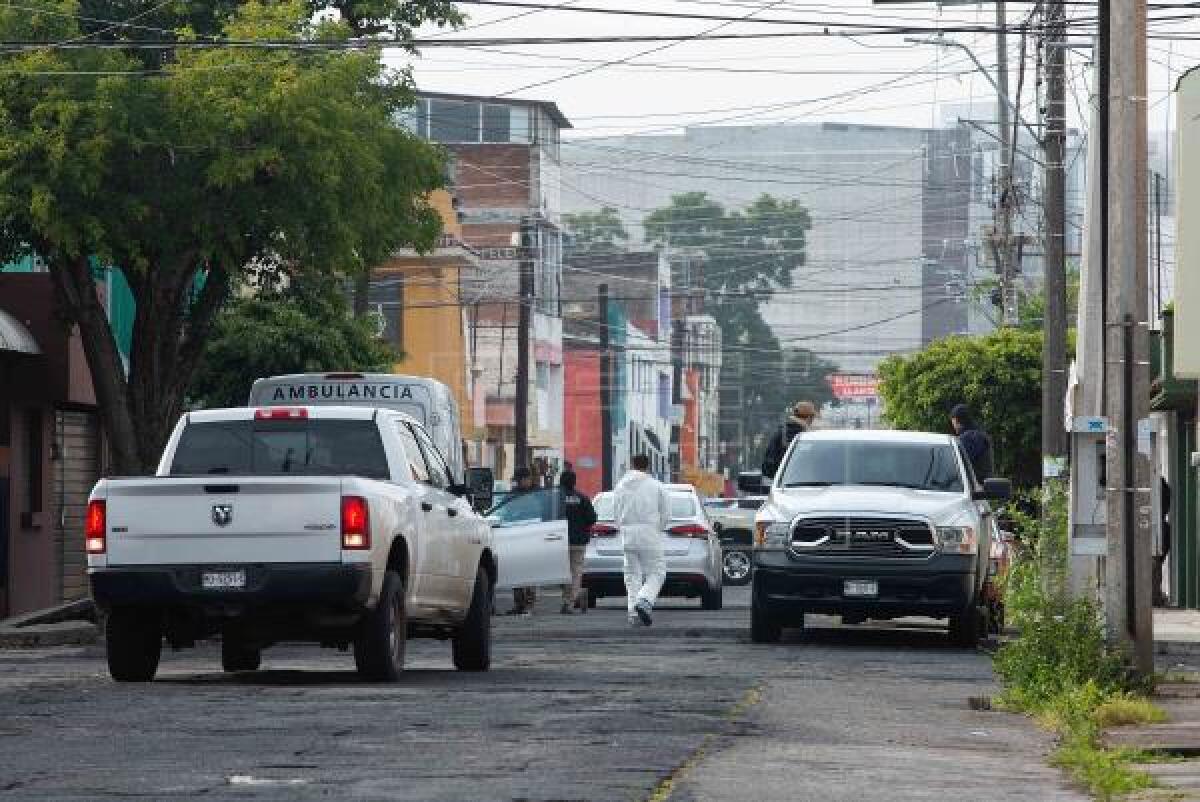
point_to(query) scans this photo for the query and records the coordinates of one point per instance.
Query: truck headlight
(771, 534)
(958, 539)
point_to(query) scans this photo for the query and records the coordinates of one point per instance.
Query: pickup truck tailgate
(230, 519)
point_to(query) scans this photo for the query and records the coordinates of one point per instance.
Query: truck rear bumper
(333, 584)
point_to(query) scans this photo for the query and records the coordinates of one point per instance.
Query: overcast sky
(872, 79)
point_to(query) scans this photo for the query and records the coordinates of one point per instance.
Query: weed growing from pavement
(1060, 670)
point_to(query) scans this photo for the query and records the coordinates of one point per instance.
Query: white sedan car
(693, 552)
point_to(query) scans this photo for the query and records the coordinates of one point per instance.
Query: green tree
(596, 232)
(744, 256)
(219, 159)
(999, 376)
(306, 327)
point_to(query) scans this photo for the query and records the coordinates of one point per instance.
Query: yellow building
(419, 296)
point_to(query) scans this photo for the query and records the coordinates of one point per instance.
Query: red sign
(849, 386)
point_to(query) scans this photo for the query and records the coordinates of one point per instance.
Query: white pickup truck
(339, 525)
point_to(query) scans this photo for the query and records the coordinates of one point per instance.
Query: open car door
(529, 538)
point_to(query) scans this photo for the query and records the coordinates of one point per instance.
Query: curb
(1177, 647)
(40, 636)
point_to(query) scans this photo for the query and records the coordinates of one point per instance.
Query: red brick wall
(581, 427)
(495, 176)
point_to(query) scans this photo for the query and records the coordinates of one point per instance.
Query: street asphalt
(575, 708)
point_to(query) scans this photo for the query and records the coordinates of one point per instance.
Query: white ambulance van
(428, 400)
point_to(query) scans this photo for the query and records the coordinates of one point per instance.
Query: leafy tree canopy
(745, 255)
(999, 376)
(596, 232)
(306, 327)
(186, 174)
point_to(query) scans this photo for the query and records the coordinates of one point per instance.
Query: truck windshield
(923, 466)
(280, 448)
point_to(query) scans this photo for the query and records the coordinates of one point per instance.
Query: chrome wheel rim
(737, 565)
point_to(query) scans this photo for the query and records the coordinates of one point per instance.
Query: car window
(683, 506)
(532, 506)
(750, 503)
(967, 466)
(281, 447)
(439, 474)
(924, 466)
(412, 452)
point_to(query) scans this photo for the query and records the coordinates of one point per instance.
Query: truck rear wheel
(472, 645)
(380, 644)
(133, 643)
(238, 655)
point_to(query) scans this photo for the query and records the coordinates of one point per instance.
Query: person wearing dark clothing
(800, 418)
(580, 514)
(975, 441)
(1160, 597)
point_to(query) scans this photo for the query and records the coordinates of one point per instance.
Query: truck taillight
(603, 530)
(356, 523)
(688, 530)
(95, 528)
(281, 413)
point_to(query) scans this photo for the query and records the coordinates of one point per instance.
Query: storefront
(50, 451)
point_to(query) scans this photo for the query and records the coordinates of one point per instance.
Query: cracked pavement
(575, 708)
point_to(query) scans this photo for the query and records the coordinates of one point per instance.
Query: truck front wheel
(967, 627)
(380, 644)
(133, 642)
(472, 645)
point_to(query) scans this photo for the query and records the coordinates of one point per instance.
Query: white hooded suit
(642, 513)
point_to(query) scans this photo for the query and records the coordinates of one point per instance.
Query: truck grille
(904, 538)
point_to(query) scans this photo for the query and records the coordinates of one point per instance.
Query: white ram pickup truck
(338, 525)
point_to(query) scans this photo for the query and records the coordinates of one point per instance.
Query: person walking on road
(580, 514)
(975, 441)
(642, 513)
(799, 419)
(523, 598)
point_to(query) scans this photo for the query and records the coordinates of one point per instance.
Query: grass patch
(1126, 710)
(1107, 773)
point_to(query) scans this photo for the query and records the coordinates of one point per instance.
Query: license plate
(223, 580)
(860, 587)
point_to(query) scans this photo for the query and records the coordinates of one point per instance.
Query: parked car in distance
(733, 521)
(692, 551)
(873, 524)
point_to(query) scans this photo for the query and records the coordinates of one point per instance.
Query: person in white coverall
(642, 513)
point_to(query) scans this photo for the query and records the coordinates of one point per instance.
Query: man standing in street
(523, 598)
(642, 513)
(580, 515)
(975, 441)
(799, 419)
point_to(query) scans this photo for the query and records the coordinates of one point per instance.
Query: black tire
(593, 597)
(712, 599)
(133, 643)
(238, 655)
(472, 644)
(765, 627)
(380, 644)
(967, 627)
(739, 572)
(853, 619)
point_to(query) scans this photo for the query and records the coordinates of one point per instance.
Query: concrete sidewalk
(70, 624)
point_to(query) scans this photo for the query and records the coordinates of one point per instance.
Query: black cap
(961, 413)
(567, 479)
(521, 472)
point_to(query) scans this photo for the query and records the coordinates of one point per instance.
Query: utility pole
(1054, 325)
(1002, 243)
(1128, 587)
(524, 324)
(606, 432)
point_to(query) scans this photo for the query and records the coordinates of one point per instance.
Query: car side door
(431, 567)
(461, 542)
(529, 538)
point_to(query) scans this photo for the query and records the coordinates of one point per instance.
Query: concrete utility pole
(1003, 236)
(1054, 325)
(1129, 571)
(606, 422)
(524, 324)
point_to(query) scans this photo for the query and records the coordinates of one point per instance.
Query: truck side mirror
(995, 490)
(480, 483)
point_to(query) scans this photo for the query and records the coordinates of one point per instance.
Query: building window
(33, 460)
(453, 121)
(386, 300)
(497, 124)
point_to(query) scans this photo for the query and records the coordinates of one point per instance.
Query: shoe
(643, 613)
(634, 621)
(566, 610)
(525, 613)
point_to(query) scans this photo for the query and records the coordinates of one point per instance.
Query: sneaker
(643, 613)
